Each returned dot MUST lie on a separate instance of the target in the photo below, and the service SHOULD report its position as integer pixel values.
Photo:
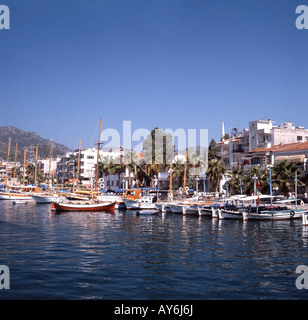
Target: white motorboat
(47, 198)
(145, 202)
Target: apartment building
(67, 168)
(246, 148)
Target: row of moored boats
(236, 207)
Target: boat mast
(15, 162)
(184, 176)
(49, 163)
(97, 162)
(35, 166)
(24, 173)
(170, 182)
(7, 164)
(77, 180)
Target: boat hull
(14, 196)
(43, 199)
(138, 205)
(163, 207)
(87, 206)
(275, 215)
(226, 214)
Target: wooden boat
(19, 193)
(207, 210)
(82, 206)
(287, 214)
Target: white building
(237, 152)
(68, 167)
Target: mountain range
(28, 141)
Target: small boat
(47, 198)
(163, 207)
(20, 202)
(287, 214)
(82, 206)
(207, 210)
(19, 193)
(144, 203)
(229, 214)
(178, 208)
(191, 210)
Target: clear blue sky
(168, 63)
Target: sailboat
(16, 192)
(85, 205)
(76, 205)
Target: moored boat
(47, 198)
(82, 206)
(145, 202)
(19, 193)
(287, 214)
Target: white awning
(294, 158)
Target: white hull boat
(206, 211)
(163, 207)
(177, 208)
(138, 205)
(275, 215)
(45, 199)
(111, 198)
(14, 196)
(228, 214)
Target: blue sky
(166, 63)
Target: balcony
(264, 132)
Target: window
(90, 157)
(299, 138)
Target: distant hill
(27, 141)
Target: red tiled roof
(283, 147)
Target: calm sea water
(166, 256)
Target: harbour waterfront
(126, 256)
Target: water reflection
(129, 256)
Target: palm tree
(105, 168)
(236, 181)
(261, 174)
(215, 172)
(284, 174)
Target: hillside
(27, 141)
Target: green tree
(215, 172)
(237, 177)
(284, 176)
(213, 150)
(263, 177)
